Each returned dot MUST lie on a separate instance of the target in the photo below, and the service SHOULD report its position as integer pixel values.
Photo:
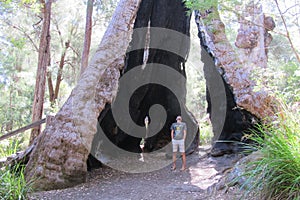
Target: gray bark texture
(59, 157)
(252, 41)
(246, 104)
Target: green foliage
(206, 133)
(12, 147)
(196, 88)
(282, 75)
(13, 185)
(20, 29)
(18, 42)
(10, 5)
(203, 5)
(12, 181)
(6, 1)
(28, 1)
(277, 174)
(16, 61)
(200, 4)
(291, 82)
(15, 105)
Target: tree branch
(287, 32)
(290, 8)
(74, 50)
(58, 31)
(25, 34)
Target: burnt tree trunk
(152, 15)
(59, 157)
(244, 106)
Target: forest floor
(197, 182)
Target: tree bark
(252, 38)
(245, 106)
(43, 61)
(87, 36)
(168, 15)
(59, 157)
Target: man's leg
(182, 151)
(183, 161)
(175, 148)
(174, 161)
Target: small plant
(13, 185)
(206, 133)
(12, 147)
(277, 174)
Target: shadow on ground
(196, 182)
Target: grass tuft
(13, 185)
(276, 175)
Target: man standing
(178, 135)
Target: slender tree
(43, 62)
(53, 92)
(88, 35)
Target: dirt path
(108, 184)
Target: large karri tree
(59, 157)
(60, 152)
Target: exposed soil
(197, 182)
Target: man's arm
(172, 134)
(184, 132)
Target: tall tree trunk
(43, 61)
(155, 15)
(245, 106)
(59, 157)
(87, 35)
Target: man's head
(178, 118)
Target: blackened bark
(238, 121)
(169, 14)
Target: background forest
(21, 24)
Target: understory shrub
(277, 174)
